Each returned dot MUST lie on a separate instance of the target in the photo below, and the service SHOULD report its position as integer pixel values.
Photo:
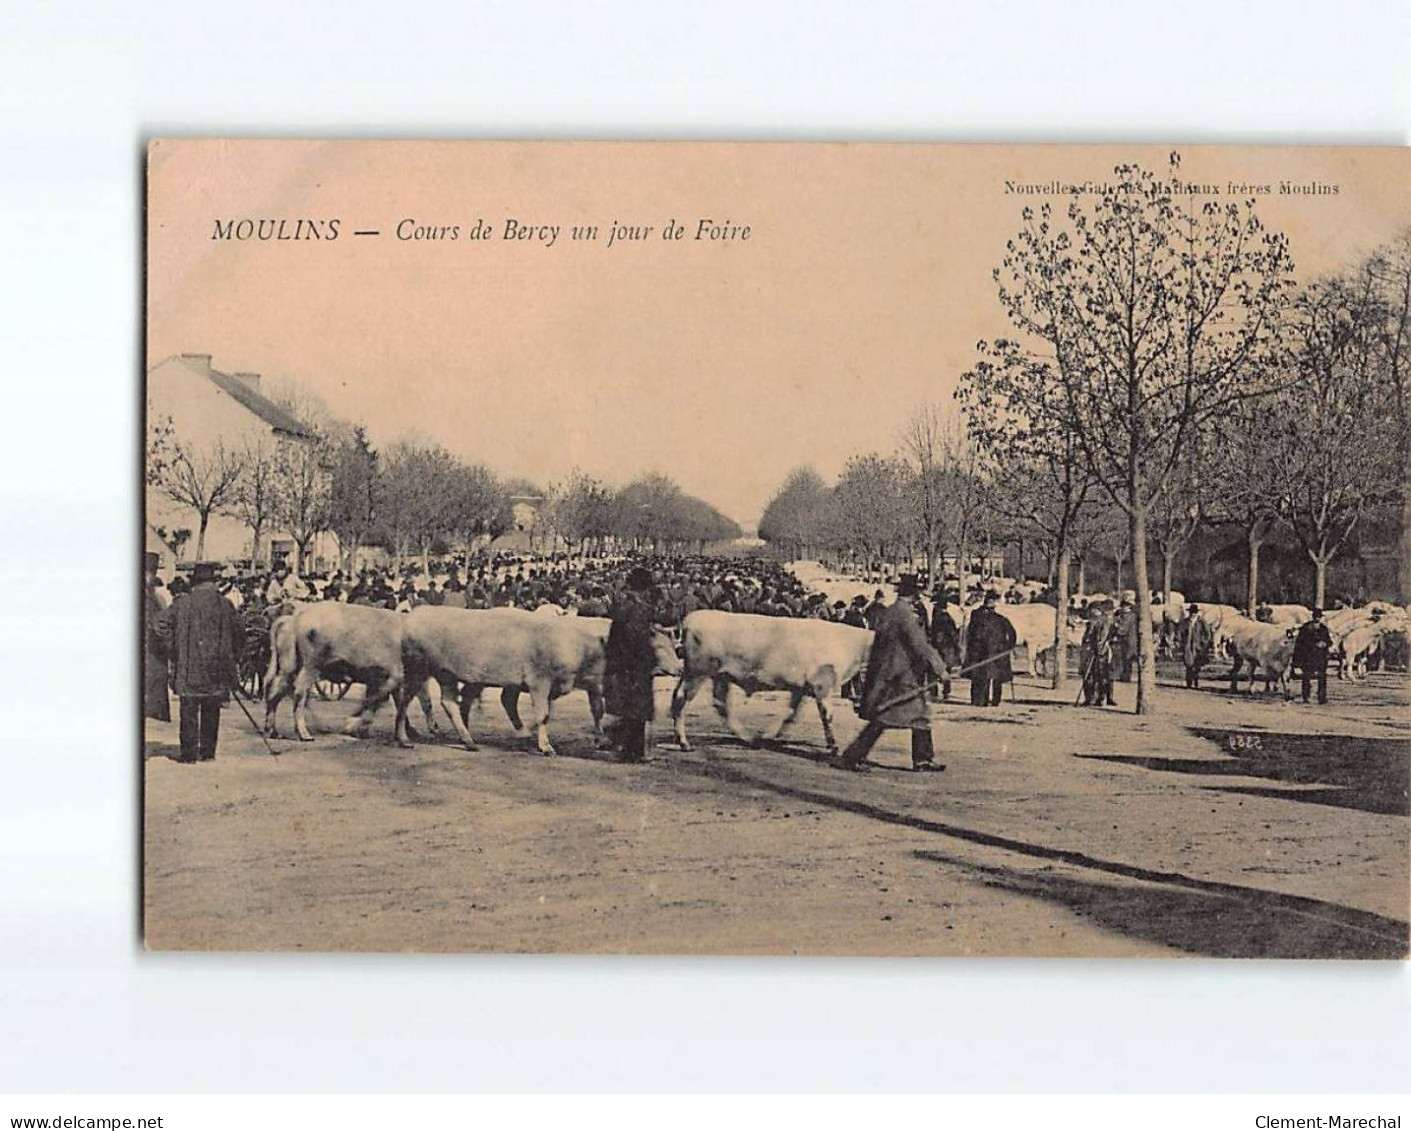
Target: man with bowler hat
(900, 669)
(988, 643)
(202, 634)
(1310, 655)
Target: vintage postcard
(780, 549)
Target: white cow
(1289, 614)
(1266, 648)
(514, 650)
(333, 640)
(804, 657)
(1033, 633)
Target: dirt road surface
(1225, 825)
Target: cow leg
(539, 696)
(303, 685)
(428, 709)
(595, 705)
(276, 688)
(509, 700)
(394, 687)
(821, 689)
(721, 694)
(361, 722)
(686, 688)
(457, 706)
(796, 698)
(470, 698)
(825, 716)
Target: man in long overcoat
(1197, 645)
(631, 663)
(900, 668)
(1310, 655)
(988, 643)
(1124, 639)
(1099, 640)
(202, 634)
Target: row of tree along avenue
(411, 499)
(1167, 371)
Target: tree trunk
(1121, 561)
(1320, 580)
(201, 536)
(1146, 649)
(1060, 643)
(1251, 587)
(1168, 560)
(1082, 576)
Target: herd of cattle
(547, 656)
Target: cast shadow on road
(1215, 920)
(1372, 775)
(1270, 924)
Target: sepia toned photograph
(776, 549)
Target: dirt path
(1055, 830)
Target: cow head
(667, 660)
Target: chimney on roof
(249, 380)
(200, 360)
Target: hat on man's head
(908, 585)
(151, 560)
(639, 578)
(1317, 613)
(205, 571)
(991, 597)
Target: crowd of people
(227, 611)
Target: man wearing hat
(631, 663)
(988, 643)
(1310, 655)
(1097, 657)
(203, 635)
(1124, 637)
(1197, 646)
(900, 668)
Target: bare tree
(923, 448)
(1016, 415)
(256, 502)
(1341, 429)
(1156, 315)
(205, 479)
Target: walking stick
(240, 702)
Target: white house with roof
(207, 407)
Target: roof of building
(253, 400)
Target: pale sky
(859, 294)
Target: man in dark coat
(900, 668)
(874, 611)
(1310, 655)
(988, 644)
(202, 634)
(631, 663)
(945, 637)
(1098, 643)
(1124, 639)
(1197, 645)
(155, 704)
